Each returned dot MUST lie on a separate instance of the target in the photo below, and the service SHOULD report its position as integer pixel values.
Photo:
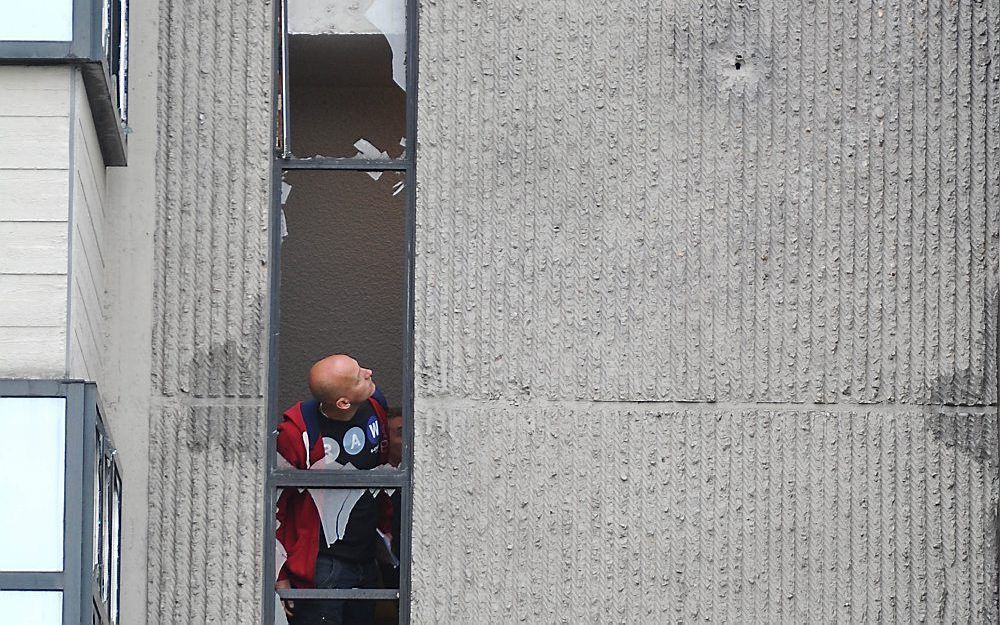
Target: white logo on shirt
(354, 441)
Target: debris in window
(286, 190)
(367, 150)
(389, 16)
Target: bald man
(329, 535)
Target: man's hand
(287, 604)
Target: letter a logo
(354, 441)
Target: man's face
(360, 384)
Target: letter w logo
(373, 429)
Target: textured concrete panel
(213, 173)
(770, 200)
(205, 514)
(731, 202)
(577, 512)
(208, 354)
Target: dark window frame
(86, 51)
(402, 477)
(80, 588)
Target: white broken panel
(355, 17)
(286, 190)
(389, 16)
(367, 150)
(334, 507)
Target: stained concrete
(706, 311)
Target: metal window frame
(85, 50)
(82, 421)
(401, 478)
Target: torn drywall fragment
(389, 16)
(369, 151)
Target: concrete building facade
(705, 306)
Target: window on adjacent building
(90, 34)
(60, 506)
(42, 20)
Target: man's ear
(342, 403)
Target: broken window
(334, 574)
(342, 277)
(344, 82)
(343, 215)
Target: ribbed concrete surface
(600, 184)
(609, 209)
(572, 513)
(213, 175)
(205, 515)
(212, 184)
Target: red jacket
(298, 526)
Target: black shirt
(356, 445)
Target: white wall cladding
(34, 209)
(208, 356)
(611, 213)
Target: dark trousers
(333, 572)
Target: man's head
(340, 382)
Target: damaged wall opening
(339, 478)
(344, 78)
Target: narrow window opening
(338, 476)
